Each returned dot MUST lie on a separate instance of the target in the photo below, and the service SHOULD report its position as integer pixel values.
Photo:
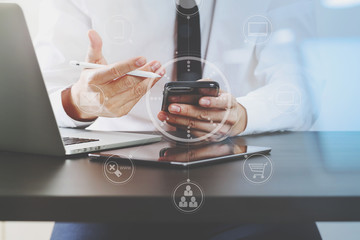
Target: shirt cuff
(254, 121)
(63, 120)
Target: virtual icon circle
(118, 169)
(258, 168)
(154, 100)
(92, 101)
(188, 197)
(287, 98)
(119, 29)
(257, 29)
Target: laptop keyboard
(71, 140)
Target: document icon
(91, 99)
(119, 30)
(258, 29)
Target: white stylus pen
(136, 73)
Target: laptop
(27, 121)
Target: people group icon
(193, 203)
(188, 193)
(183, 202)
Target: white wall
(26, 230)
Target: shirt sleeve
(63, 26)
(286, 101)
(63, 120)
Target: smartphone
(188, 92)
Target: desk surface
(315, 177)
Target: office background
(333, 61)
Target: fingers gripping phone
(188, 92)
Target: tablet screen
(181, 154)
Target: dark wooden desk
(316, 178)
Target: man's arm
(286, 102)
(103, 92)
(265, 109)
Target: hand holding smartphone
(188, 92)
(200, 108)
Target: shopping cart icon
(258, 169)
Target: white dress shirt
(257, 73)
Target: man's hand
(115, 92)
(206, 117)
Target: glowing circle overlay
(197, 139)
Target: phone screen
(188, 92)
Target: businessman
(120, 30)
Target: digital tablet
(167, 153)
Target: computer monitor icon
(286, 98)
(258, 29)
